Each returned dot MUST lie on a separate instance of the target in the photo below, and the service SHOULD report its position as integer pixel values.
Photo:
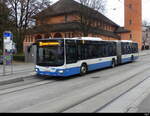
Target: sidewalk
(25, 70)
(144, 106)
(17, 68)
(145, 52)
(20, 71)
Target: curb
(15, 80)
(144, 54)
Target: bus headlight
(36, 69)
(61, 71)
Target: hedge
(18, 57)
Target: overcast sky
(115, 10)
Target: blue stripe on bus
(99, 65)
(129, 59)
(76, 70)
(135, 58)
(125, 60)
(72, 71)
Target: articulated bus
(70, 56)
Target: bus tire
(132, 58)
(83, 69)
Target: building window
(58, 35)
(102, 25)
(131, 36)
(68, 35)
(130, 6)
(38, 37)
(130, 22)
(73, 35)
(105, 27)
(66, 18)
(47, 36)
(99, 24)
(65, 35)
(146, 35)
(25, 40)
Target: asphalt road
(93, 92)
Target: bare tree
(89, 10)
(22, 12)
(5, 22)
(98, 5)
(146, 23)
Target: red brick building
(63, 19)
(133, 20)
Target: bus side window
(106, 47)
(71, 54)
(110, 50)
(134, 47)
(81, 52)
(114, 49)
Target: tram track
(35, 81)
(87, 102)
(68, 99)
(23, 85)
(75, 98)
(17, 72)
(104, 106)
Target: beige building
(146, 37)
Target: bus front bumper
(59, 72)
(47, 73)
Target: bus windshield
(50, 56)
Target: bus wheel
(132, 58)
(113, 63)
(83, 69)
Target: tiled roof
(122, 30)
(72, 26)
(70, 6)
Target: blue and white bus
(70, 56)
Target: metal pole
(4, 72)
(12, 57)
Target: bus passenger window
(71, 54)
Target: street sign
(7, 34)
(7, 50)
(8, 42)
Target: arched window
(47, 36)
(38, 37)
(58, 35)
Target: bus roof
(126, 41)
(86, 38)
(89, 38)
